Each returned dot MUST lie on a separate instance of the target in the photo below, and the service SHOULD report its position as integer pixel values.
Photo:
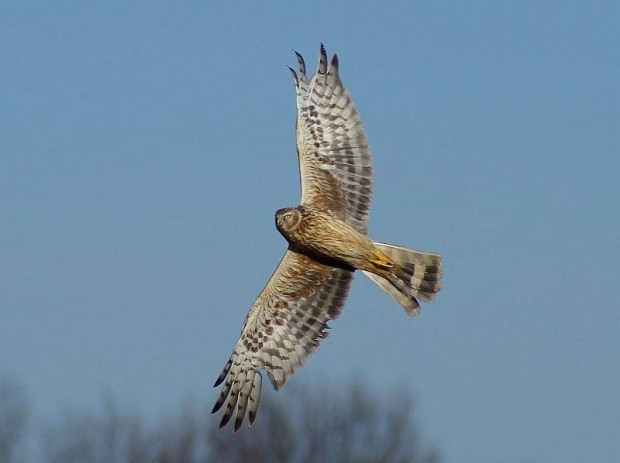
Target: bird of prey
(327, 242)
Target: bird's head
(287, 219)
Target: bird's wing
(285, 324)
(334, 157)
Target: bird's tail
(415, 276)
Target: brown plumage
(327, 241)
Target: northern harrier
(327, 242)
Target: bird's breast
(323, 234)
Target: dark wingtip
(225, 419)
(216, 406)
(238, 422)
(224, 372)
(302, 66)
(293, 73)
(251, 417)
(322, 68)
(335, 61)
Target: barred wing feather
(284, 326)
(334, 157)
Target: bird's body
(327, 241)
(321, 235)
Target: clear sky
(144, 147)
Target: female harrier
(327, 241)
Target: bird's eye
(288, 217)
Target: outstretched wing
(334, 158)
(285, 324)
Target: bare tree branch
(304, 424)
(14, 414)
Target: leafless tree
(328, 424)
(112, 436)
(303, 425)
(14, 415)
(89, 438)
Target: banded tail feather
(417, 276)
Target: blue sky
(144, 148)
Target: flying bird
(327, 242)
